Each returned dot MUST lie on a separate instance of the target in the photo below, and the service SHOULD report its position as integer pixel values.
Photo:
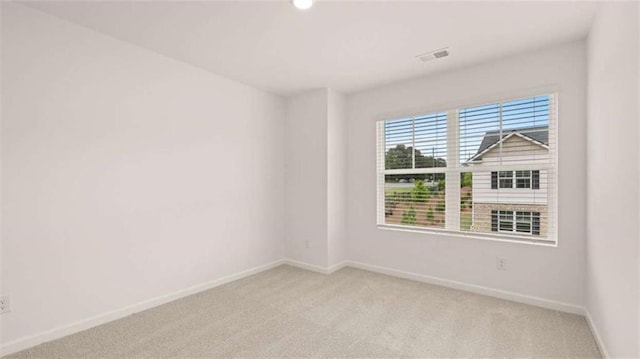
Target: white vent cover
(437, 54)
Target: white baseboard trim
(65, 330)
(497, 293)
(337, 266)
(314, 267)
(596, 334)
(59, 332)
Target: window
(523, 222)
(484, 171)
(505, 179)
(516, 221)
(523, 179)
(415, 162)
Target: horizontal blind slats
(420, 187)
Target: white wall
(547, 272)
(1, 176)
(306, 177)
(125, 175)
(337, 178)
(316, 178)
(613, 298)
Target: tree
(401, 157)
(398, 157)
(429, 161)
(466, 179)
(409, 217)
(420, 193)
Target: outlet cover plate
(501, 263)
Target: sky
(474, 122)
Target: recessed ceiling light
(303, 4)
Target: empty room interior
(320, 179)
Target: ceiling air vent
(433, 55)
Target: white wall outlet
(501, 263)
(5, 306)
(306, 243)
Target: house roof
(535, 134)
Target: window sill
(487, 237)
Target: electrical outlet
(501, 263)
(5, 306)
(306, 243)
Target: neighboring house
(511, 201)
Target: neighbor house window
(515, 179)
(523, 179)
(521, 222)
(505, 179)
(485, 171)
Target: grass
(465, 221)
(389, 191)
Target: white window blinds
(415, 161)
(486, 171)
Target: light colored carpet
(290, 312)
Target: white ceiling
(347, 46)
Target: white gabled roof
(510, 135)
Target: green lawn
(465, 221)
(398, 190)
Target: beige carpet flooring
(288, 312)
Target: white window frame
(514, 179)
(511, 177)
(453, 171)
(527, 178)
(514, 221)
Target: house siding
(514, 151)
(482, 191)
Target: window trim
(551, 240)
(514, 221)
(509, 238)
(533, 178)
(526, 178)
(502, 177)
